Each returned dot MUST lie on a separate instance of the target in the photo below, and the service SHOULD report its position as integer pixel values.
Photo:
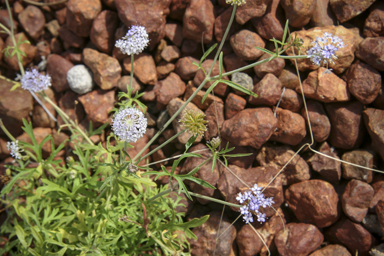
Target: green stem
(131, 76)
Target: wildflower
(253, 201)
(13, 147)
(134, 42)
(129, 124)
(324, 49)
(238, 2)
(194, 122)
(34, 81)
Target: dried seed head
(194, 122)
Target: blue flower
(134, 42)
(14, 149)
(129, 124)
(34, 81)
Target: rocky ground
(329, 207)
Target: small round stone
(80, 80)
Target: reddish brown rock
(379, 101)
(233, 105)
(150, 14)
(221, 24)
(378, 187)
(250, 127)
(185, 67)
(361, 157)
(373, 119)
(197, 100)
(56, 46)
(57, 68)
(103, 31)
(340, 233)
(28, 49)
(174, 32)
(252, 9)
(356, 199)
(97, 104)
(137, 147)
(125, 80)
(33, 21)
(320, 124)
(191, 48)
(374, 24)
(232, 62)
(270, 25)
(5, 20)
(170, 88)
(297, 169)
(39, 116)
(221, 89)
(80, 15)
(289, 79)
(325, 87)
(364, 82)
(332, 249)
(380, 213)
(198, 21)
(164, 68)
(106, 70)
(371, 51)
(215, 117)
(170, 53)
(347, 9)
(177, 9)
(268, 91)
(328, 168)
(40, 133)
(290, 127)
(243, 44)
(291, 100)
(274, 66)
(69, 103)
(298, 12)
(61, 15)
(144, 68)
(70, 39)
(243, 161)
(298, 239)
(314, 201)
(323, 15)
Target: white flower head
(13, 147)
(134, 42)
(129, 124)
(34, 81)
(238, 2)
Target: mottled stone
(33, 21)
(361, 157)
(244, 80)
(221, 24)
(244, 42)
(144, 68)
(233, 105)
(250, 127)
(185, 68)
(221, 88)
(170, 88)
(252, 9)
(215, 117)
(332, 249)
(103, 31)
(298, 12)
(268, 91)
(371, 51)
(348, 9)
(374, 24)
(314, 201)
(291, 100)
(320, 124)
(57, 68)
(28, 49)
(80, 15)
(197, 100)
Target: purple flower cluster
(324, 49)
(134, 42)
(34, 81)
(14, 149)
(129, 124)
(253, 201)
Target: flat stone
(177, 9)
(380, 214)
(243, 44)
(361, 157)
(125, 80)
(289, 78)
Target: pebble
(79, 79)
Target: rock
(243, 44)
(28, 49)
(170, 53)
(151, 14)
(320, 124)
(371, 223)
(80, 15)
(243, 161)
(70, 39)
(230, 186)
(177, 9)
(290, 127)
(347, 128)
(185, 69)
(378, 187)
(380, 214)
(374, 121)
(364, 82)
(361, 157)
(244, 80)
(39, 116)
(221, 24)
(40, 133)
(144, 68)
(250, 127)
(323, 15)
(14, 106)
(274, 66)
(215, 117)
(162, 119)
(345, 55)
(164, 68)
(106, 70)
(355, 200)
(221, 88)
(97, 104)
(332, 249)
(79, 79)
(56, 46)
(5, 20)
(170, 88)
(61, 15)
(191, 48)
(289, 78)
(42, 51)
(291, 100)
(69, 104)
(173, 106)
(252, 9)
(232, 62)
(340, 233)
(198, 21)
(374, 24)
(347, 9)
(197, 100)
(297, 169)
(233, 105)
(328, 168)
(371, 51)
(174, 32)
(33, 21)
(325, 87)
(298, 12)
(137, 147)
(379, 101)
(270, 24)
(57, 68)
(314, 202)
(103, 31)
(268, 91)
(298, 239)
